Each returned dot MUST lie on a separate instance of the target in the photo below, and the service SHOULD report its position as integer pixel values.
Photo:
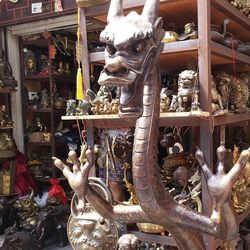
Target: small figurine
(46, 135)
(217, 106)
(60, 68)
(83, 107)
(102, 103)
(165, 100)
(44, 102)
(6, 77)
(5, 121)
(190, 32)
(71, 107)
(67, 70)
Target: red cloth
(56, 190)
(23, 178)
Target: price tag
(36, 8)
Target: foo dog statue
(188, 92)
(131, 62)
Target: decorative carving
(131, 62)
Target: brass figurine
(102, 103)
(131, 62)
(190, 32)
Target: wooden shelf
(7, 90)
(240, 23)
(64, 78)
(39, 110)
(166, 119)
(5, 128)
(231, 118)
(47, 144)
(181, 54)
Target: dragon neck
(146, 176)
(155, 201)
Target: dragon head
(133, 45)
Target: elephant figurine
(53, 218)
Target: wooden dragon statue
(131, 62)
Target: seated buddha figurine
(190, 32)
(6, 77)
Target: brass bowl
(170, 36)
(150, 228)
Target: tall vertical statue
(131, 62)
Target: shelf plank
(160, 239)
(181, 54)
(5, 128)
(227, 53)
(231, 118)
(7, 90)
(166, 119)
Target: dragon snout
(115, 66)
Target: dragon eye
(139, 47)
(110, 49)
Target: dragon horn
(151, 10)
(115, 10)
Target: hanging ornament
(79, 82)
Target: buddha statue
(6, 78)
(190, 32)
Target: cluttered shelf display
(179, 172)
(48, 71)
